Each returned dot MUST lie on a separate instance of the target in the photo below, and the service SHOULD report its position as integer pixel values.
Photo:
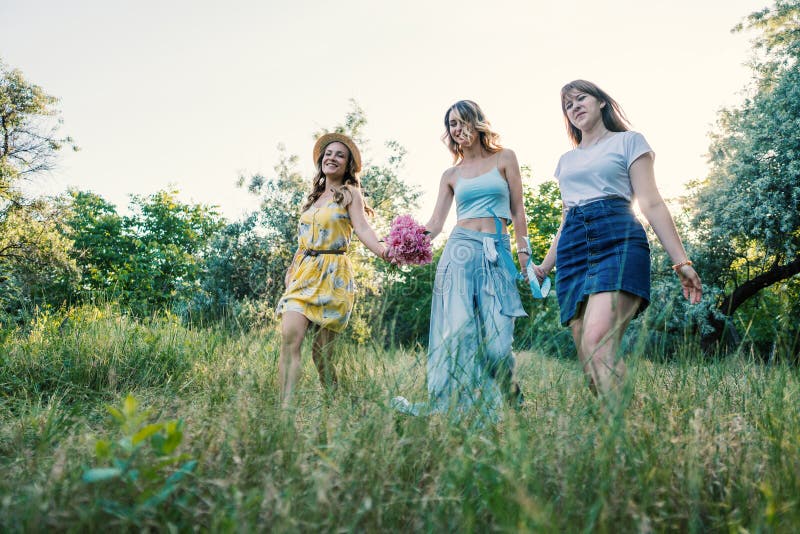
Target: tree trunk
(740, 295)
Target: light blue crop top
(483, 195)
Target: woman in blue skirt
(601, 250)
(475, 298)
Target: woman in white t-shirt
(601, 250)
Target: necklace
(598, 139)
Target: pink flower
(407, 242)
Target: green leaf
(102, 449)
(116, 414)
(98, 474)
(157, 441)
(125, 444)
(159, 497)
(130, 405)
(185, 469)
(173, 440)
(146, 432)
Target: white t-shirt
(601, 170)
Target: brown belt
(314, 253)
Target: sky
(193, 94)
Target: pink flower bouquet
(408, 242)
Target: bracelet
(524, 250)
(678, 266)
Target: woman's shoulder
(506, 154)
(345, 194)
(450, 173)
(634, 142)
(631, 135)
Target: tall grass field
(107, 422)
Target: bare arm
(510, 168)
(549, 261)
(442, 208)
(361, 226)
(655, 210)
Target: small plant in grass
(140, 470)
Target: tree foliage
(34, 264)
(777, 44)
(147, 260)
(29, 137)
(746, 209)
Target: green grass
(699, 446)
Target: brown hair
(343, 195)
(614, 118)
(471, 114)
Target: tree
(148, 260)
(746, 209)
(238, 278)
(34, 266)
(100, 244)
(778, 45)
(29, 138)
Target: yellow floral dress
(321, 287)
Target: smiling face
(582, 109)
(460, 131)
(335, 159)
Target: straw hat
(328, 138)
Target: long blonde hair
(473, 118)
(614, 118)
(342, 195)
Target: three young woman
(601, 253)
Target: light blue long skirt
(475, 301)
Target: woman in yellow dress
(319, 282)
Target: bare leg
(293, 329)
(577, 333)
(321, 354)
(598, 334)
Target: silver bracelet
(524, 250)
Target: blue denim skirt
(602, 247)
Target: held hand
(690, 281)
(541, 274)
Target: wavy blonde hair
(342, 195)
(614, 118)
(472, 117)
